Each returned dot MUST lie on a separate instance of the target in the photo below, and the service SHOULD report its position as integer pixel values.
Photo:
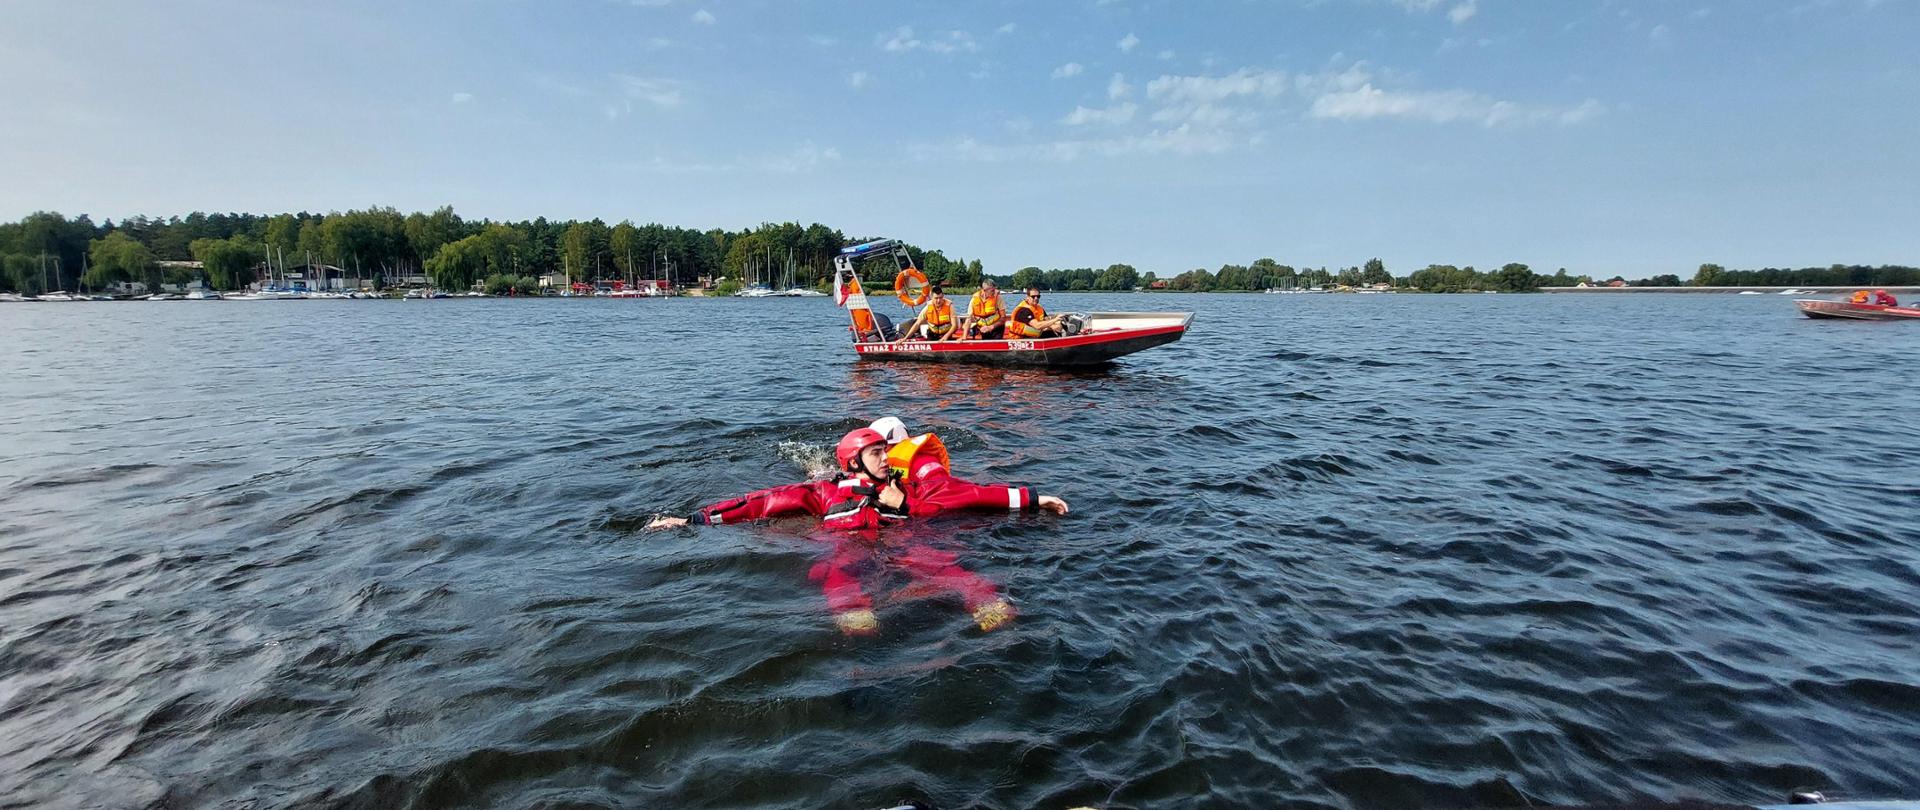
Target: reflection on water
(1371, 551)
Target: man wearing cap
(936, 318)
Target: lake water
(1328, 551)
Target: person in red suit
(870, 494)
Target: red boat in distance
(1878, 305)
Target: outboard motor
(1073, 323)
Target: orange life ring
(911, 287)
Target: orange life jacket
(862, 318)
(939, 315)
(986, 312)
(1017, 329)
(910, 456)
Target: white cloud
(857, 79)
(1117, 114)
(806, 157)
(1005, 29)
(1205, 89)
(1584, 111)
(1442, 107)
(1117, 87)
(1463, 12)
(648, 3)
(462, 98)
(1661, 36)
(821, 41)
(703, 17)
(1166, 55)
(903, 41)
(1127, 43)
(1180, 140)
(662, 93)
(1068, 70)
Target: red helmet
(855, 441)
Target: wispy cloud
(1661, 36)
(1068, 70)
(1127, 43)
(804, 158)
(902, 40)
(1117, 87)
(704, 17)
(1006, 29)
(1117, 114)
(462, 98)
(1443, 107)
(662, 93)
(1463, 12)
(1166, 55)
(1181, 140)
(857, 79)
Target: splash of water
(814, 460)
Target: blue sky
(1605, 137)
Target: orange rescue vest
(940, 315)
(916, 452)
(862, 318)
(985, 311)
(1017, 329)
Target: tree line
(47, 251)
(1838, 275)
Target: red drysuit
(848, 507)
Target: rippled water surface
(1339, 551)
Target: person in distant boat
(869, 495)
(936, 320)
(986, 314)
(1029, 319)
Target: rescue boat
(1817, 308)
(1103, 337)
(1093, 339)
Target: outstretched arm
(792, 499)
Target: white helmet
(890, 427)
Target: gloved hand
(857, 622)
(993, 614)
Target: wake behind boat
(1090, 339)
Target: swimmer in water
(870, 494)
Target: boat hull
(1092, 347)
(1847, 310)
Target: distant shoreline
(1774, 290)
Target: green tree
(119, 257)
(1375, 272)
(1025, 277)
(228, 263)
(1118, 277)
(1708, 275)
(427, 232)
(1514, 277)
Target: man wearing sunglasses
(1029, 319)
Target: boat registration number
(1020, 345)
